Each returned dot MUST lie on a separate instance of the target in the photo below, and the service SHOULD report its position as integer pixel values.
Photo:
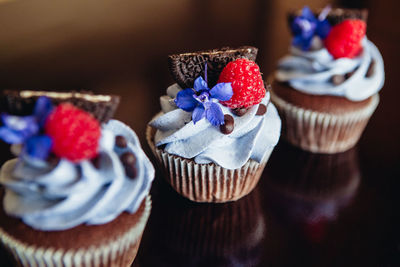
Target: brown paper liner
(119, 252)
(207, 182)
(322, 132)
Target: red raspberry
(75, 133)
(247, 84)
(344, 39)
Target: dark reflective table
(307, 210)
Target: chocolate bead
(371, 69)
(239, 111)
(337, 79)
(228, 125)
(129, 160)
(261, 109)
(130, 171)
(120, 141)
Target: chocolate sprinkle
(120, 141)
(262, 109)
(239, 111)
(228, 125)
(129, 160)
(337, 79)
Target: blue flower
(27, 129)
(306, 26)
(199, 100)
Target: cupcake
(326, 89)
(216, 129)
(78, 192)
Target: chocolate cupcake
(214, 140)
(77, 193)
(326, 89)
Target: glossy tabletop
(307, 210)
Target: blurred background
(121, 47)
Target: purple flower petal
(323, 29)
(200, 84)
(222, 91)
(198, 113)
(42, 109)
(185, 100)
(307, 13)
(214, 114)
(38, 146)
(11, 137)
(303, 43)
(19, 123)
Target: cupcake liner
(322, 132)
(207, 182)
(118, 252)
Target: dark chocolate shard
(21, 103)
(186, 67)
(335, 16)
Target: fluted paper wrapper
(207, 182)
(322, 132)
(116, 253)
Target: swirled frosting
(254, 136)
(311, 72)
(60, 197)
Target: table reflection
(184, 233)
(310, 190)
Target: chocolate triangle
(102, 107)
(186, 67)
(335, 16)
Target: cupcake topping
(75, 133)
(70, 169)
(187, 67)
(339, 65)
(306, 26)
(247, 84)
(344, 39)
(199, 100)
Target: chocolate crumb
(239, 111)
(228, 125)
(371, 69)
(337, 79)
(120, 141)
(261, 109)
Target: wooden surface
(120, 47)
